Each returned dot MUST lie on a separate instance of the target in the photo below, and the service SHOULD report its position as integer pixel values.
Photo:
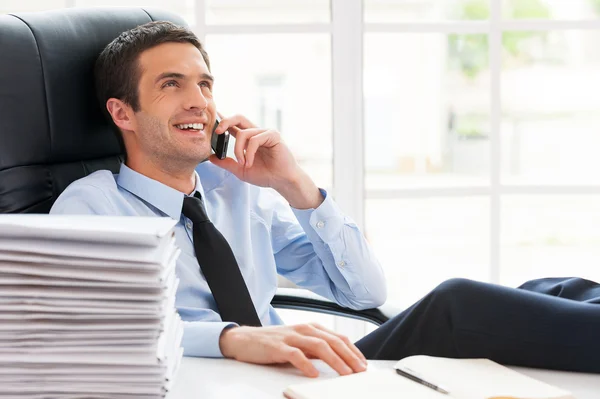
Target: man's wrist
(225, 341)
(301, 192)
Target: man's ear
(121, 113)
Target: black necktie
(219, 266)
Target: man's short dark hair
(117, 73)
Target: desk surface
(224, 378)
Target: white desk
(223, 378)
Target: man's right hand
(293, 344)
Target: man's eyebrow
(166, 75)
(207, 76)
(178, 75)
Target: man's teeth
(195, 126)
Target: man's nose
(195, 99)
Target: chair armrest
(301, 299)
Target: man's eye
(170, 83)
(205, 84)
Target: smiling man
(161, 102)
(155, 85)
(241, 222)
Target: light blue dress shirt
(318, 249)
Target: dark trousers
(549, 323)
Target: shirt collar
(165, 198)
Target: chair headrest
(52, 130)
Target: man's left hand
(264, 160)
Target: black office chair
(52, 131)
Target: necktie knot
(193, 209)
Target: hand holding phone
(219, 142)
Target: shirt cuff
(326, 220)
(201, 338)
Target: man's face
(177, 111)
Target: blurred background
(462, 135)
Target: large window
(490, 125)
(462, 135)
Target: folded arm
(324, 251)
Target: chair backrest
(52, 130)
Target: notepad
(463, 378)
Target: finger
(322, 350)
(241, 141)
(236, 121)
(228, 164)
(218, 123)
(342, 350)
(344, 339)
(297, 358)
(268, 138)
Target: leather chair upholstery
(52, 129)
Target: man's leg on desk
(548, 323)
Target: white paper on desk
(62, 261)
(81, 369)
(24, 279)
(160, 297)
(74, 343)
(90, 274)
(135, 349)
(83, 334)
(62, 282)
(77, 396)
(384, 383)
(63, 325)
(139, 230)
(159, 254)
(75, 317)
(105, 376)
(86, 390)
(156, 304)
(170, 336)
(85, 268)
(468, 378)
(169, 346)
(107, 358)
(154, 308)
(87, 274)
(85, 293)
(173, 368)
(45, 309)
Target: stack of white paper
(87, 307)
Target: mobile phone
(219, 142)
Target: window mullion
(495, 55)
(200, 28)
(347, 71)
(348, 157)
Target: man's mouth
(192, 127)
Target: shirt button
(188, 224)
(320, 224)
(341, 263)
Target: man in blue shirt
(156, 86)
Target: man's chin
(187, 160)
(200, 157)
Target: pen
(408, 373)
